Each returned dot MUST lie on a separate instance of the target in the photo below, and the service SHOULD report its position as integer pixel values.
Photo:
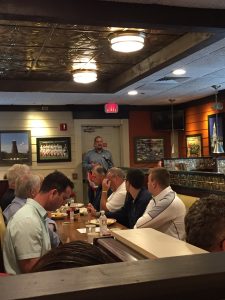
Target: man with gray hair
(115, 181)
(26, 186)
(13, 173)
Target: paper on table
(83, 230)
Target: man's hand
(105, 184)
(91, 210)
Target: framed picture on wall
(194, 145)
(57, 149)
(148, 149)
(15, 147)
(216, 134)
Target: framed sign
(216, 133)
(194, 145)
(148, 149)
(57, 149)
(15, 147)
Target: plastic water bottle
(103, 223)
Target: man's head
(56, 189)
(116, 177)
(158, 180)
(16, 171)
(205, 223)
(27, 186)
(98, 174)
(98, 143)
(135, 179)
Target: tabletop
(68, 232)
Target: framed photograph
(216, 133)
(15, 147)
(194, 145)
(148, 149)
(57, 149)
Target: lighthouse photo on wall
(15, 147)
(216, 134)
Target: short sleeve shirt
(116, 199)
(26, 236)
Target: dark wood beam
(164, 57)
(112, 14)
(50, 86)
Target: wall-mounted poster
(57, 149)
(216, 133)
(194, 145)
(15, 147)
(148, 149)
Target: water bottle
(103, 223)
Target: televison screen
(162, 120)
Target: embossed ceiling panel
(42, 51)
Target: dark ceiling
(44, 51)
(41, 40)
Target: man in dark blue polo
(137, 199)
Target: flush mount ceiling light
(179, 72)
(132, 93)
(127, 41)
(84, 76)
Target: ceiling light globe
(84, 76)
(127, 42)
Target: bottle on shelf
(103, 223)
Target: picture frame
(194, 145)
(15, 147)
(216, 134)
(148, 149)
(53, 149)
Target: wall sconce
(128, 41)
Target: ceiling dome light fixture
(127, 41)
(132, 93)
(179, 72)
(84, 76)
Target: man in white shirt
(165, 212)
(115, 181)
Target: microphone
(109, 162)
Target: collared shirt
(103, 157)
(12, 208)
(116, 199)
(26, 236)
(165, 212)
(16, 204)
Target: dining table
(68, 229)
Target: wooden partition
(200, 276)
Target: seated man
(136, 201)
(165, 212)
(27, 237)
(205, 223)
(28, 186)
(98, 174)
(115, 181)
(13, 173)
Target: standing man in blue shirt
(94, 157)
(98, 156)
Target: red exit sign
(111, 108)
